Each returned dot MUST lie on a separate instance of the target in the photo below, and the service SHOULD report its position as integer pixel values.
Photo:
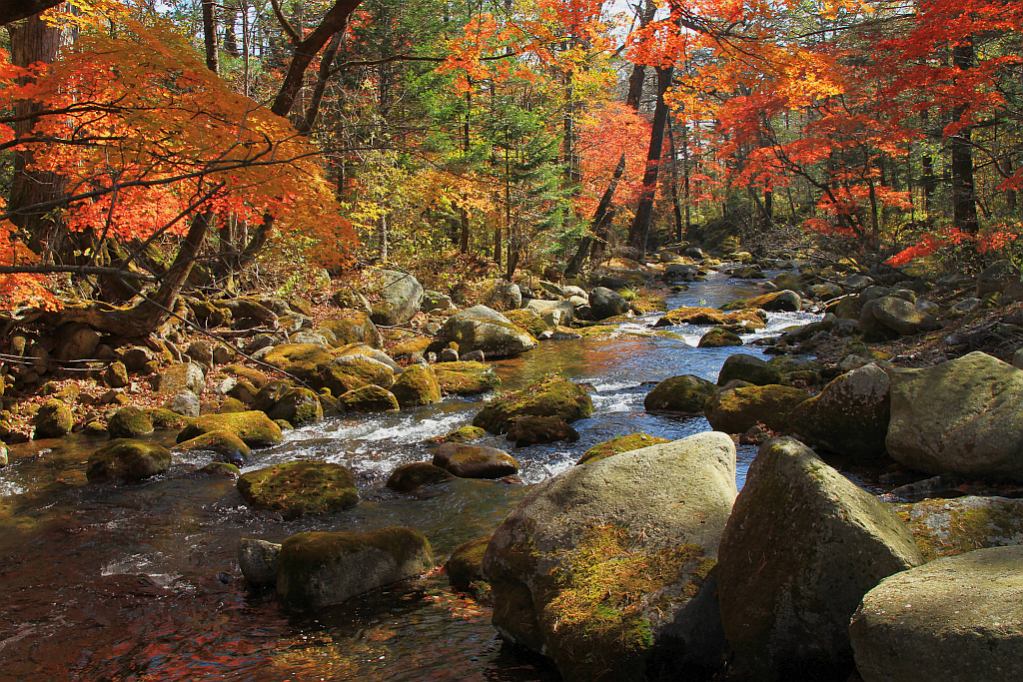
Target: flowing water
(140, 582)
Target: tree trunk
(964, 196)
(639, 232)
(322, 76)
(13, 10)
(675, 201)
(209, 34)
(600, 220)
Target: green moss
(554, 396)
(127, 460)
(224, 443)
(616, 446)
(417, 385)
(253, 427)
(163, 418)
(463, 434)
(528, 320)
(465, 378)
(299, 488)
(369, 399)
(465, 566)
(221, 470)
(352, 326)
(53, 420)
(950, 527)
(411, 346)
(129, 422)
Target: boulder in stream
(484, 329)
(535, 429)
(129, 422)
(299, 488)
(736, 410)
(554, 396)
(466, 378)
(749, 368)
(258, 561)
(253, 427)
(410, 477)
(474, 461)
(616, 446)
(682, 395)
(127, 461)
(415, 386)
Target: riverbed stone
(466, 378)
(555, 313)
(300, 488)
(129, 422)
(227, 445)
(185, 403)
(604, 568)
(960, 417)
(682, 395)
(605, 303)
(946, 527)
(720, 337)
(408, 478)
(474, 461)
(553, 396)
(463, 434)
(530, 321)
(255, 428)
(749, 368)
(399, 297)
(296, 405)
(416, 386)
(116, 375)
(258, 560)
(349, 326)
(465, 565)
(749, 319)
(776, 301)
(369, 399)
(481, 328)
(504, 295)
(801, 548)
(736, 410)
(893, 316)
(536, 429)
(850, 415)
(616, 446)
(319, 569)
(957, 619)
(127, 461)
(53, 420)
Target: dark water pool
(140, 583)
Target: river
(140, 582)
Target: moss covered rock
(466, 378)
(535, 429)
(369, 399)
(749, 368)
(53, 420)
(126, 460)
(254, 428)
(179, 377)
(745, 319)
(802, 547)
(299, 488)
(129, 422)
(410, 477)
(483, 329)
(529, 320)
(551, 397)
(949, 527)
(463, 434)
(165, 419)
(604, 568)
(228, 446)
(465, 566)
(736, 410)
(775, 301)
(616, 446)
(957, 619)
(417, 385)
(351, 326)
(684, 395)
(221, 470)
(320, 569)
(720, 337)
(294, 404)
(474, 461)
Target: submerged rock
(684, 395)
(957, 619)
(319, 569)
(298, 488)
(554, 396)
(410, 477)
(254, 428)
(474, 461)
(465, 566)
(127, 461)
(603, 568)
(616, 446)
(802, 547)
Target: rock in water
(802, 547)
(127, 461)
(850, 416)
(253, 427)
(605, 303)
(258, 560)
(957, 619)
(320, 569)
(411, 477)
(552, 397)
(480, 328)
(736, 410)
(684, 395)
(474, 461)
(465, 566)
(400, 294)
(53, 420)
(417, 385)
(298, 488)
(602, 567)
(465, 378)
(961, 417)
(129, 422)
(616, 446)
(748, 368)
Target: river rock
(417, 385)
(949, 527)
(775, 301)
(129, 422)
(536, 429)
(294, 404)
(530, 321)
(400, 296)
(77, 341)
(53, 420)
(616, 446)
(474, 461)
(960, 417)
(555, 313)
(465, 566)
(802, 547)
(254, 428)
(720, 337)
(683, 395)
(481, 328)
(736, 410)
(186, 404)
(128, 461)
(410, 477)
(228, 446)
(957, 619)
(605, 303)
(850, 416)
(504, 295)
(748, 320)
(319, 569)
(4, 455)
(258, 560)
(300, 488)
(554, 396)
(892, 316)
(349, 326)
(602, 568)
(466, 378)
(435, 301)
(748, 368)
(116, 375)
(369, 399)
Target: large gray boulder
(258, 561)
(400, 296)
(849, 417)
(604, 567)
(483, 329)
(553, 312)
(894, 316)
(745, 367)
(961, 417)
(605, 303)
(802, 547)
(957, 619)
(505, 295)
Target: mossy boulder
(319, 569)
(474, 461)
(350, 372)
(399, 297)
(960, 417)
(893, 316)
(720, 337)
(466, 378)
(129, 422)
(116, 375)
(949, 527)
(127, 461)
(165, 419)
(300, 488)
(250, 374)
(465, 566)
(228, 446)
(616, 446)
(351, 326)
(220, 470)
(417, 385)
(303, 360)
(736, 410)
(369, 399)
(53, 420)
(480, 328)
(849, 417)
(410, 477)
(683, 395)
(553, 396)
(179, 377)
(463, 434)
(606, 568)
(749, 320)
(535, 429)
(775, 301)
(529, 320)
(294, 404)
(957, 619)
(802, 547)
(254, 428)
(749, 368)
